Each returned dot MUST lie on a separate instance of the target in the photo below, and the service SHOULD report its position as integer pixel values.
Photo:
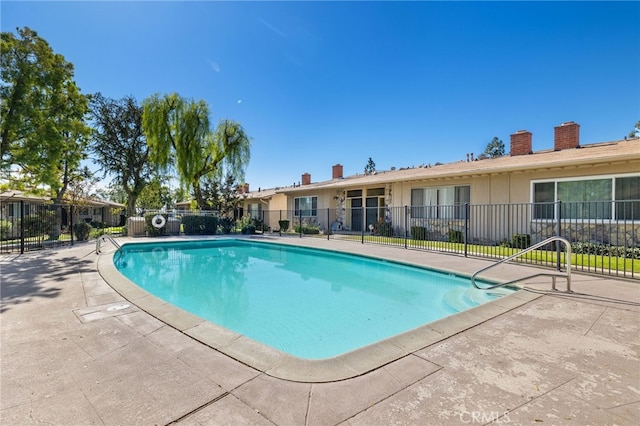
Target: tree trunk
(131, 204)
(57, 224)
(197, 194)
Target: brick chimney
(336, 172)
(566, 136)
(245, 188)
(306, 179)
(521, 143)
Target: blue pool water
(309, 303)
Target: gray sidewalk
(74, 352)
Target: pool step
(482, 296)
(460, 299)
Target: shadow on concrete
(28, 276)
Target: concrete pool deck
(74, 351)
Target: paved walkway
(73, 353)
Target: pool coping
(284, 366)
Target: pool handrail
(553, 275)
(104, 238)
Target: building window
(627, 196)
(543, 199)
(372, 192)
(14, 209)
(306, 206)
(585, 199)
(440, 202)
(599, 198)
(254, 210)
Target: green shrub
(248, 229)
(307, 229)
(200, 225)
(385, 229)
(192, 225)
(284, 225)
(39, 224)
(244, 221)
(419, 233)
(606, 250)
(455, 236)
(520, 241)
(226, 224)
(81, 231)
(258, 224)
(5, 229)
(505, 243)
(308, 226)
(209, 225)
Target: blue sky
(320, 83)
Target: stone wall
(596, 233)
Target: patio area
(75, 352)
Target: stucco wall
(505, 188)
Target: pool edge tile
(179, 319)
(416, 339)
(212, 335)
(257, 355)
(373, 356)
(311, 371)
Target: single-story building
(435, 196)
(89, 210)
(10, 204)
(101, 211)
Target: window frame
(439, 210)
(313, 211)
(257, 210)
(550, 206)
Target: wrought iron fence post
(71, 222)
(406, 226)
(559, 233)
(280, 226)
(21, 226)
(363, 223)
(466, 227)
(300, 221)
(328, 223)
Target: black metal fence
(605, 236)
(28, 226)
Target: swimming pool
(309, 303)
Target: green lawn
(578, 261)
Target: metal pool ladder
(553, 275)
(104, 238)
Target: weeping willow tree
(179, 136)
